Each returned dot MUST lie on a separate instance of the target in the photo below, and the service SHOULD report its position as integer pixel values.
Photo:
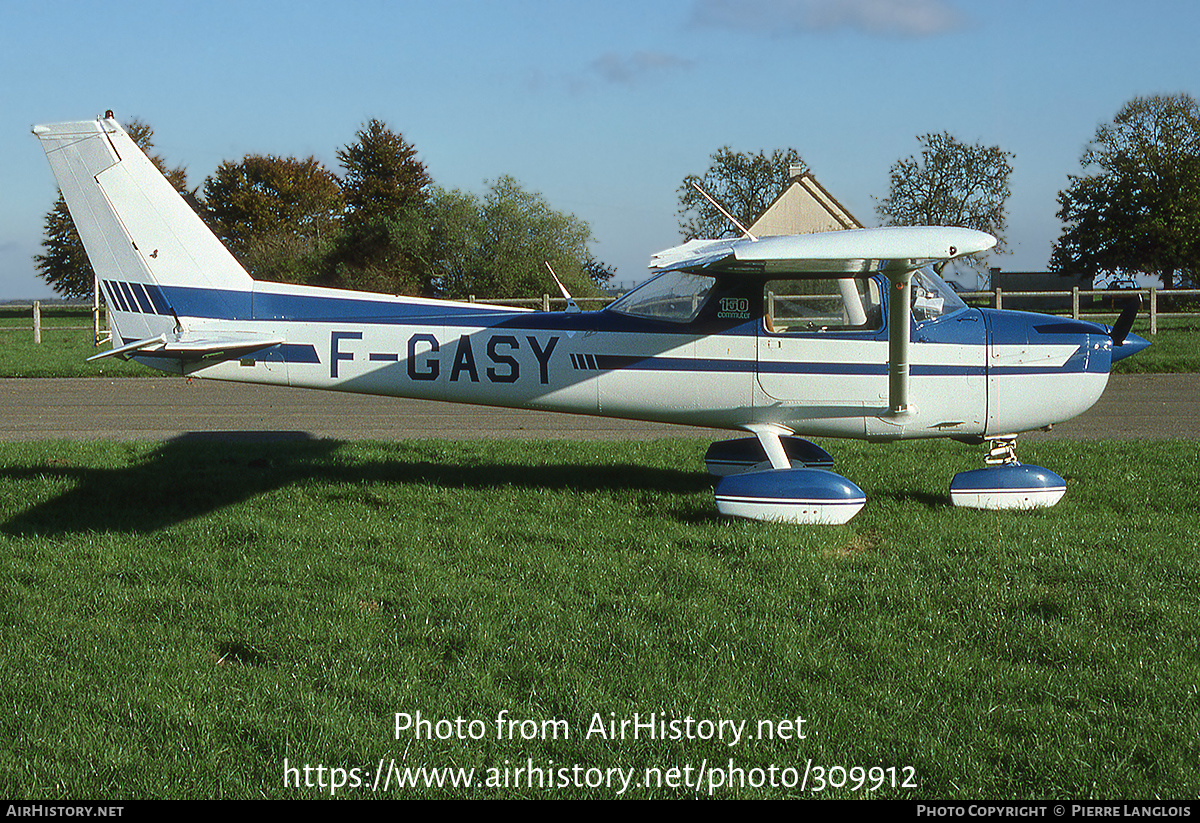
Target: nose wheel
(1006, 483)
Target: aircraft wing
(832, 251)
(192, 347)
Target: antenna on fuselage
(721, 209)
(571, 304)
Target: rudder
(154, 256)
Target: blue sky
(601, 107)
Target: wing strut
(898, 338)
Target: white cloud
(634, 68)
(613, 69)
(913, 18)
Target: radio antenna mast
(721, 209)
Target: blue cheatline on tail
(837, 334)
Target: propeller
(1124, 343)
(1129, 311)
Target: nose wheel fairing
(1006, 483)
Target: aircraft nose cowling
(1132, 344)
(1040, 343)
(1042, 370)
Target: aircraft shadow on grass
(197, 474)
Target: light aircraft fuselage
(840, 334)
(973, 372)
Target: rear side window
(822, 304)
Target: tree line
(1135, 209)
(384, 226)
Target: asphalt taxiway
(1146, 407)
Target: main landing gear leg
(1006, 483)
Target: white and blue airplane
(846, 334)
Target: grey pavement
(1150, 407)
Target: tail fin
(155, 258)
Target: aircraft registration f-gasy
(846, 334)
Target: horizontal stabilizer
(187, 347)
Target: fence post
(545, 302)
(1153, 310)
(999, 298)
(1075, 302)
(102, 325)
(37, 322)
(95, 312)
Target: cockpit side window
(822, 304)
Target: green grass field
(195, 619)
(1176, 347)
(64, 349)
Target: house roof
(803, 207)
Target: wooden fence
(997, 296)
(101, 330)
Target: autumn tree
(64, 263)
(950, 184)
(277, 215)
(498, 244)
(384, 237)
(744, 184)
(1139, 208)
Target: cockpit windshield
(673, 296)
(931, 297)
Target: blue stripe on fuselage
(216, 304)
(337, 309)
(296, 353)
